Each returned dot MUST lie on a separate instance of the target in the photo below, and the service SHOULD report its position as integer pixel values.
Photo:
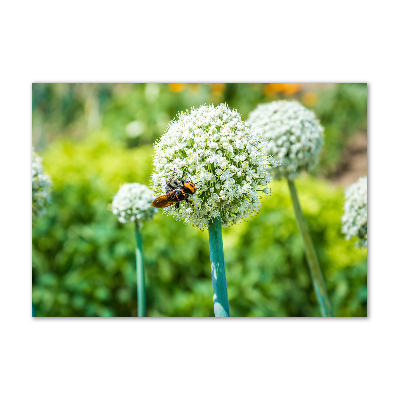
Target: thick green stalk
(141, 288)
(220, 291)
(315, 270)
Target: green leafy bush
(84, 259)
(342, 110)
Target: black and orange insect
(175, 192)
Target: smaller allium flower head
(133, 203)
(295, 133)
(227, 160)
(354, 220)
(41, 185)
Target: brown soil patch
(311, 87)
(355, 161)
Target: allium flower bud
(354, 220)
(295, 133)
(41, 185)
(133, 203)
(227, 159)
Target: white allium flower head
(295, 133)
(354, 220)
(227, 159)
(41, 185)
(133, 203)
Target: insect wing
(163, 201)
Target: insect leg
(177, 205)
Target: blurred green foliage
(84, 259)
(137, 113)
(342, 111)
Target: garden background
(95, 137)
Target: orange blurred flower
(309, 99)
(271, 89)
(176, 87)
(217, 88)
(291, 88)
(288, 89)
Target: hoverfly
(175, 192)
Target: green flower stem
(141, 288)
(33, 310)
(315, 270)
(220, 291)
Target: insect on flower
(175, 192)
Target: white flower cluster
(133, 203)
(41, 185)
(227, 160)
(354, 220)
(295, 133)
